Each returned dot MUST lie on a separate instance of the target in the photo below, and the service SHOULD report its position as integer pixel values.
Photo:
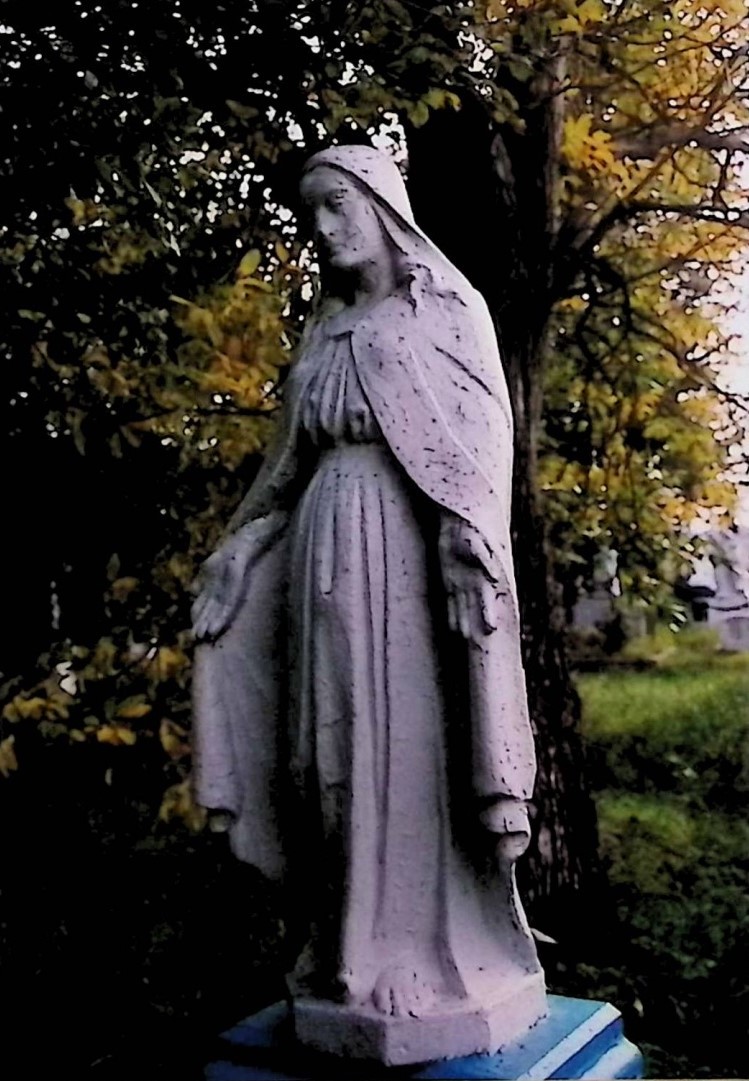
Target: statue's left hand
(467, 571)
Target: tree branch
(677, 134)
(721, 215)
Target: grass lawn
(669, 751)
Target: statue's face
(347, 231)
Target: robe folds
(429, 367)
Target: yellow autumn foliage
(116, 734)
(37, 708)
(167, 663)
(123, 587)
(581, 16)
(134, 708)
(173, 738)
(8, 760)
(178, 803)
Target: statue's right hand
(220, 584)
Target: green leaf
(419, 114)
(249, 264)
(244, 112)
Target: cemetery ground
(125, 946)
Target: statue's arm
(281, 476)
(257, 523)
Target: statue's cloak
(431, 371)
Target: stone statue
(359, 697)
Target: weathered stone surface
(360, 711)
(364, 1032)
(720, 583)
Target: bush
(670, 754)
(670, 648)
(128, 942)
(671, 730)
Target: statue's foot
(401, 992)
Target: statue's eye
(336, 200)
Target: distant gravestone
(595, 609)
(734, 633)
(722, 582)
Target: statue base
(364, 1033)
(577, 1039)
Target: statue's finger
(464, 620)
(486, 555)
(217, 621)
(197, 610)
(475, 615)
(488, 601)
(205, 602)
(491, 572)
(202, 617)
(208, 618)
(452, 617)
(469, 632)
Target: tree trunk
(487, 199)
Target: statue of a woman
(359, 696)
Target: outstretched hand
(220, 584)
(469, 574)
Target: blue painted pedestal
(578, 1039)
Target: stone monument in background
(719, 587)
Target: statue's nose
(325, 224)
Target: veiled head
(365, 217)
(376, 172)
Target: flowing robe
(333, 671)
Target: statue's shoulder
(460, 323)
